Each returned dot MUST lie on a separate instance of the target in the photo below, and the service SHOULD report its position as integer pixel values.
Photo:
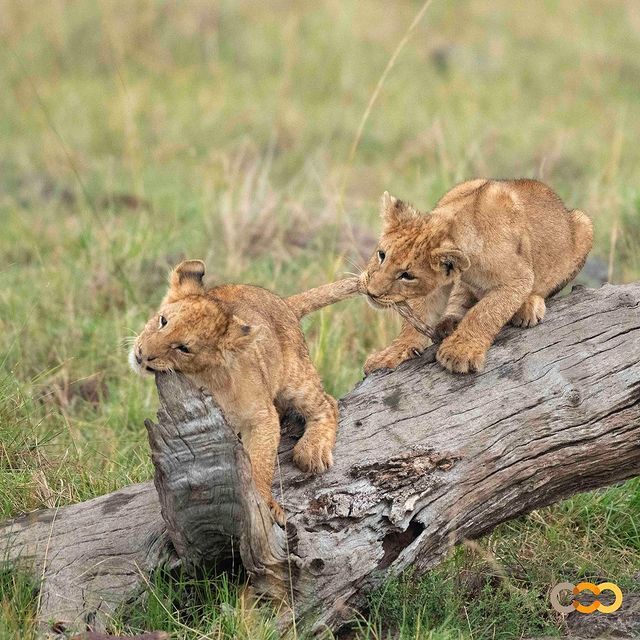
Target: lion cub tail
(309, 301)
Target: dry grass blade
(407, 313)
(376, 92)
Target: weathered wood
(423, 460)
(203, 477)
(426, 459)
(92, 556)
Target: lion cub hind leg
(582, 235)
(260, 438)
(566, 268)
(582, 241)
(530, 313)
(313, 453)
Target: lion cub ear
(394, 211)
(185, 280)
(449, 261)
(240, 334)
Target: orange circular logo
(596, 605)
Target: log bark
(424, 459)
(89, 557)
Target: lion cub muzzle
(140, 363)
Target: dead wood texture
(423, 460)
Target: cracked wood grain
(424, 459)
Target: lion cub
(245, 346)
(489, 253)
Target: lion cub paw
(530, 313)
(461, 356)
(313, 457)
(277, 512)
(390, 358)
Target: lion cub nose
(140, 357)
(373, 288)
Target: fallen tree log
(424, 459)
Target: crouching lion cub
(245, 346)
(489, 253)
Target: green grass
(133, 134)
(18, 604)
(184, 605)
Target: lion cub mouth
(379, 303)
(138, 368)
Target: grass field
(133, 134)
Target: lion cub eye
(381, 256)
(163, 322)
(405, 275)
(183, 348)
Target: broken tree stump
(424, 459)
(209, 504)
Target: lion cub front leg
(466, 348)
(313, 453)
(260, 438)
(408, 344)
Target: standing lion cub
(245, 346)
(489, 253)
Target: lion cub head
(192, 331)
(412, 259)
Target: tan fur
(490, 252)
(304, 303)
(246, 348)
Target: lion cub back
(262, 307)
(525, 213)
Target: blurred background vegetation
(136, 133)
